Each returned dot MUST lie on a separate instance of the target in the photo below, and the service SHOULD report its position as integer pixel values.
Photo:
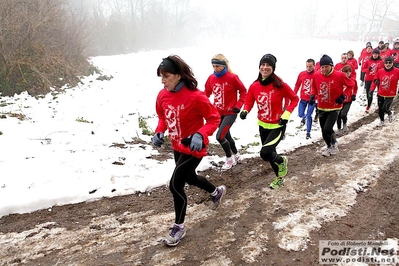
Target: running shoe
(230, 162)
(237, 157)
(303, 122)
(327, 152)
(381, 124)
(216, 200)
(282, 167)
(175, 235)
(391, 118)
(277, 182)
(334, 148)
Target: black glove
(376, 82)
(243, 114)
(370, 68)
(282, 122)
(157, 140)
(340, 99)
(311, 100)
(194, 141)
(353, 98)
(236, 110)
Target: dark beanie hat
(326, 60)
(376, 51)
(270, 59)
(389, 59)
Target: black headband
(218, 62)
(167, 65)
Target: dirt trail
(353, 195)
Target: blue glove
(243, 114)
(196, 142)
(311, 100)
(340, 99)
(157, 140)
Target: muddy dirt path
(353, 195)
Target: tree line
(46, 43)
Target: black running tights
(384, 105)
(185, 173)
(270, 139)
(327, 121)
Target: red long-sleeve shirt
(182, 113)
(364, 58)
(349, 91)
(395, 55)
(328, 89)
(386, 53)
(363, 55)
(304, 82)
(270, 101)
(388, 82)
(225, 89)
(353, 62)
(339, 66)
(372, 66)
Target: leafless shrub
(39, 47)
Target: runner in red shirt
(387, 81)
(385, 52)
(395, 53)
(372, 66)
(353, 62)
(188, 116)
(275, 101)
(344, 62)
(364, 56)
(225, 85)
(328, 90)
(350, 94)
(304, 82)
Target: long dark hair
(175, 65)
(273, 78)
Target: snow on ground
(60, 153)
